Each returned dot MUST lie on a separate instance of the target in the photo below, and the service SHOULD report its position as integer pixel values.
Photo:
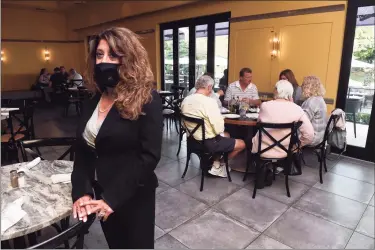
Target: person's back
(270, 113)
(316, 110)
(57, 79)
(213, 96)
(203, 107)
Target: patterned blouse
(316, 110)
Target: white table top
(8, 109)
(45, 204)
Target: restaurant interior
(330, 204)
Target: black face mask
(106, 75)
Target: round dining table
(248, 125)
(44, 202)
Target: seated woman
(270, 113)
(288, 75)
(315, 106)
(43, 80)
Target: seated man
(244, 89)
(215, 96)
(75, 78)
(57, 79)
(201, 105)
(270, 113)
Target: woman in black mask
(119, 141)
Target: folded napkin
(224, 110)
(12, 214)
(30, 165)
(61, 178)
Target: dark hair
(136, 78)
(290, 76)
(245, 70)
(56, 69)
(62, 67)
(42, 71)
(225, 72)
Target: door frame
(367, 153)
(210, 20)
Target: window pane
(183, 57)
(221, 50)
(200, 50)
(168, 59)
(360, 93)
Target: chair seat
(6, 137)
(168, 112)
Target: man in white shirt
(201, 105)
(244, 89)
(213, 95)
(75, 78)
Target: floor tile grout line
(291, 205)
(341, 195)
(329, 171)
(356, 226)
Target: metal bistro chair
(27, 145)
(182, 129)
(178, 91)
(353, 106)
(287, 161)
(198, 148)
(321, 149)
(77, 230)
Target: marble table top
(45, 203)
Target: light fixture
(2, 55)
(275, 42)
(46, 54)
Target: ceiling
(58, 5)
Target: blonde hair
(136, 78)
(312, 86)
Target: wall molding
(143, 32)
(4, 40)
(289, 13)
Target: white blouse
(92, 128)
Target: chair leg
(202, 181)
(227, 167)
(256, 180)
(187, 165)
(179, 143)
(274, 171)
(320, 169)
(355, 126)
(175, 123)
(324, 157)
(287, 184)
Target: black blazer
(126, 153)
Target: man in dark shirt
(64, 73)
(223, 83)
(57, 79)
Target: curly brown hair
(136, 78)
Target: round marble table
(45, 203)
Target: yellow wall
(310, 44)
(23, 60)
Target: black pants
(133, 225)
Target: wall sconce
(46, 55)
(2, 55)
(275, 42)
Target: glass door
(191, 47)
(356, 96)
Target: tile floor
(336, 214)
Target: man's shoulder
(233, 84)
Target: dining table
(45, 201)
(244, 126)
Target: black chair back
(263, 129)
(47, 142)
(178, 91)
(77, 230)
(199, 123)
(330, 124)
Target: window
(192, 47)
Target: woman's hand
(100, 207)
(80, 210)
